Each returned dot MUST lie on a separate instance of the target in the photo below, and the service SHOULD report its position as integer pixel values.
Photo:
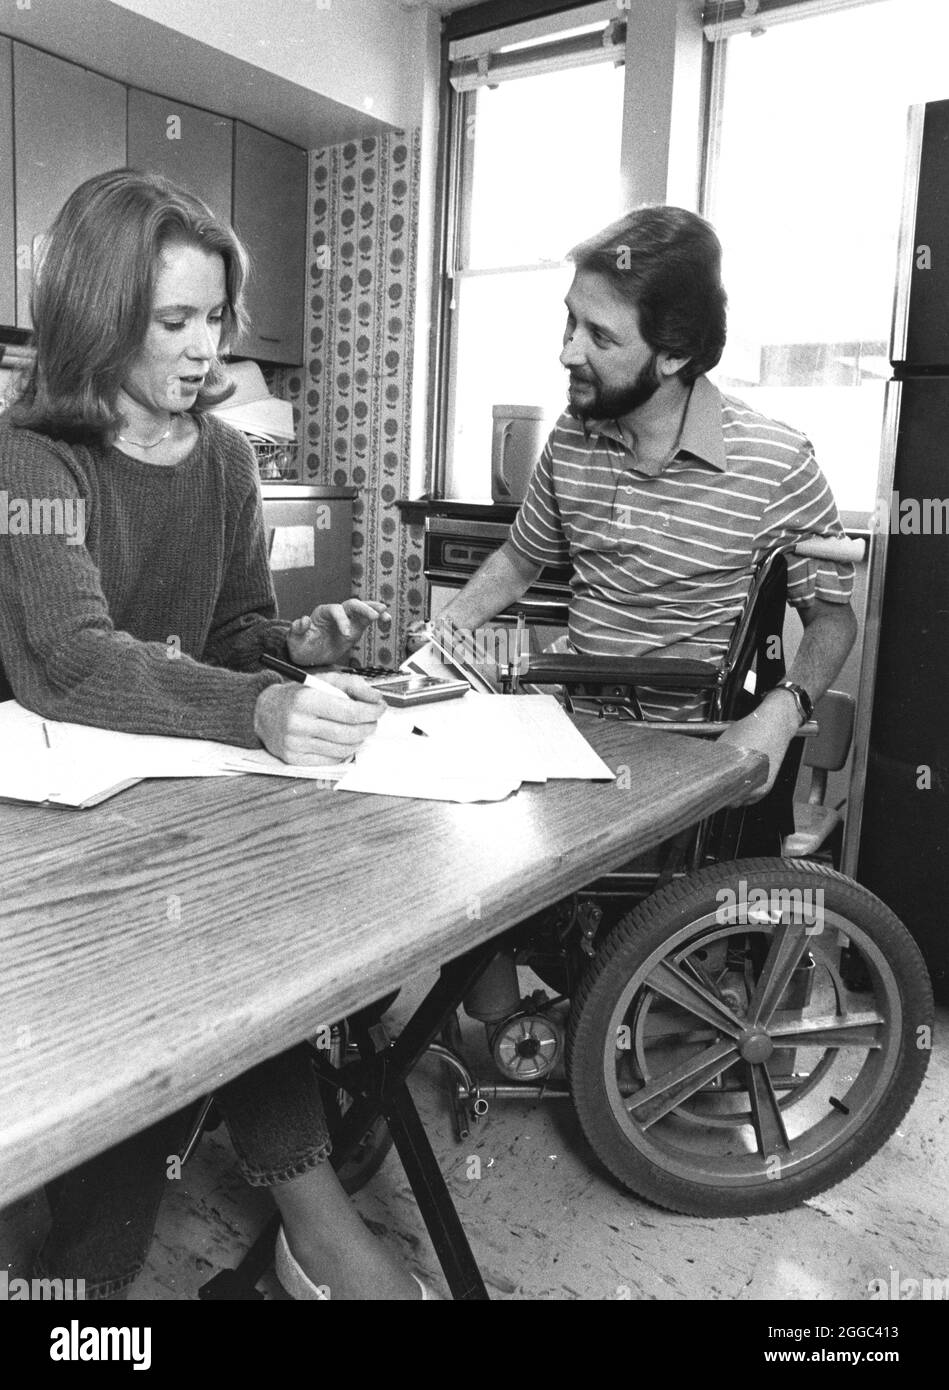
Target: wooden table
(164, 942)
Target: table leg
(433, 1198)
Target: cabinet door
(270, 179)
(69, 125)
(7, 229)
(189, 146)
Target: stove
(456, 547)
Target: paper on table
(566, 752)
(478, 748)
(258, 760)
(396, 762)
(533, 731)
(493, 732)
(39, 778)
(83, 762)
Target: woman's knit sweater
(133, 595)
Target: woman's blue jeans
(104, 1212)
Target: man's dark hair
(667, 262)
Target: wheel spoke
(676, 1085)
(766, 1113)
(671, 982)
(834, 1030)
(787, 946)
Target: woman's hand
(301, 724)
(332, 630)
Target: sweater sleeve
(61, 652)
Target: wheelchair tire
(671, 1057)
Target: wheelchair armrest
(676, 673)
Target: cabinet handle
(264, 339)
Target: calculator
(399, 689)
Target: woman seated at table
(152, 619)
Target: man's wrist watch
(805, 705)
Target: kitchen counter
(415, 510)
(277, 491)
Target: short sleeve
(803, 509)
(537, 532)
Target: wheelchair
(739, 1029)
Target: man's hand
(769, 729)
(332, 630)
(829, 630)
(301, 724)
(418, 635)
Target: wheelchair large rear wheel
(747, 1037)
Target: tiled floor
(545, 1223)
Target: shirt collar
(701, 436)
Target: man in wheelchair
(709, 1049)
(662, 493)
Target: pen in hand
(296, 673)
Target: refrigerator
(900, 843)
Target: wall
(358, 381)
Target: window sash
(531, 30)
(455, 268)
(607, 45)
(735, 16)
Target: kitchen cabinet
(191, 147)
(69, 124)
(7, 229)
(270, 202)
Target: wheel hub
(526, 1047)
(755, 1045)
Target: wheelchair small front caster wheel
(526, 1047)
(722, 1058)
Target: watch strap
(805, 705)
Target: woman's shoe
(428, 1295)
(291, 1277)
(301, 1287)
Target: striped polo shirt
(663, 557)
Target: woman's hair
(667, 263)
(92, 299)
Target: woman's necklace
(137, 443)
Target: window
(805, 188)
(536, 141)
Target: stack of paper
(64, 764)
(478, 748)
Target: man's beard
(613, 402)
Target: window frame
(455, 180)
(454, 170)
